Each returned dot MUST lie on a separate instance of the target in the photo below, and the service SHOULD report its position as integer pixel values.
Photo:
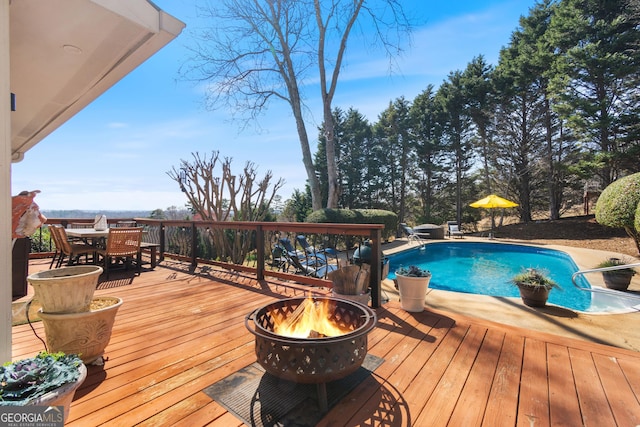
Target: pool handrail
(599, 270)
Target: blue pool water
(487, 268)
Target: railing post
(162, 240)
(194, 245)
(260, 253)
(376, 267)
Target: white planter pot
(413, 291)
(66, 289)
(85, 334)
(62, 396)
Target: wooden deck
(177, 333)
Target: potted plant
(86, 333)
(412, 283)
(48, 379)
(618, 279)
(75, 321)
(534, 286)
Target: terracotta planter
(617, 279)
(66, 289)
(534, 296)
(62, 396)
(413, 291)
(86, 333)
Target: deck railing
(207, 242)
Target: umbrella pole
(492, 224)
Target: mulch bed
(578, 231)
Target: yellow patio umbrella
(492, 202)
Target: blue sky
(114, 154)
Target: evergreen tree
(393, 132)
(355, 138)
(456, 132)
(595, 79)
(427, 141)
(478, 87)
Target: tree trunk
(554, 205)
(307, 160)
(333, 189)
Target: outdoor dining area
(98, 243)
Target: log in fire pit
(312, 340)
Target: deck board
(534, 396)
(562, 391)
(471, 404)
(501, 409)
(452, 381)
(589, 388)
(177, 333)
(619, 394)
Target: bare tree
(226, 197)
(257, 50)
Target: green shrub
(357, 216)
(636, 222)
(619, 206)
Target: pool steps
(614, 301)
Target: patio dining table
(98, 238)
(90, 236)
(87, 233)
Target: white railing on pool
(609, 297)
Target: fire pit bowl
(312, 360)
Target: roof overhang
(66, 53)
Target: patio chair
(123, 243)
(411, 235)
(285, 244)
(302, 241)
(57, 252)
(309, 266)
(278, 258)
(453, 229)
(66, 248)
(80, 225)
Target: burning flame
(311, 319)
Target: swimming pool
(487, 268)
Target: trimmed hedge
(619, 206)
(357, 216)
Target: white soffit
(66, 53)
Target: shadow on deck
(178, 333)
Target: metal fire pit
(312, 360)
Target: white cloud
(118, 125)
